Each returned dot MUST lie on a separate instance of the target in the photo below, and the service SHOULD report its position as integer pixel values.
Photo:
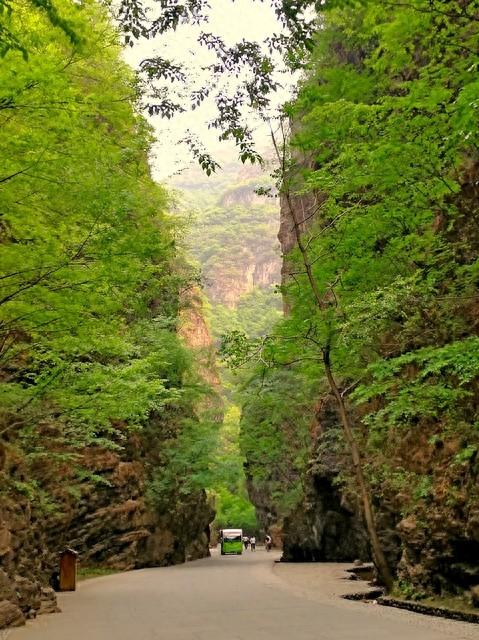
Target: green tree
(378, 182)
(91, 274)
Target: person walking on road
(252, 542)
(245, 542)
(268, 542)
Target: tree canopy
(380, 173)
(92, 277)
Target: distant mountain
(234, 238)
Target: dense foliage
(274, 438)
(233, 239)
(233, 507)
(391, 132)
(383, 168)
(91, 276)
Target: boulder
(48, 607)
(7, 590)
(327, 525)
(475, 595)
(10, 615)
(5, 539)
(49, 602)
(28, 593)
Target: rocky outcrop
(240, 274)
(438, 533)
(114, 526)
(25, 559)
(10, 614)
(305, 208)
(326, 525)
(429, 528)
(195, 332)
(110, 522)
(324, 528)
(108, 513)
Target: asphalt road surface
(228, 598)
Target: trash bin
(68, 570)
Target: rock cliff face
(233, 236)
(115, 526)
(195, 332)
(25, 559)
(326, 526)
(429, 532)
(248, 261)
(107, 516)
(437, 535)
(240, 274)
(110, 523)
(304, 209)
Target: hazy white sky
(233, 21)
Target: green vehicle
(231, 542)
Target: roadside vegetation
(379, 177)
(93, 274)
(366, 389)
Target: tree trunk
(378, 555)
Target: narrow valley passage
(226, 598)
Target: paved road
(226, 598)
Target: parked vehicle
(231, 542)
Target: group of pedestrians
(250, 542)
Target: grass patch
(456, 603)
(84, 573)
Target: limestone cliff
(325, 524)
(194, 330)
(110, 522)
(233, 234)
(106, 514)
(428, 529)
(247, 269)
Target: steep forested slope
(106, 442)
(232, 236)
(99, 396)
(380, 186)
